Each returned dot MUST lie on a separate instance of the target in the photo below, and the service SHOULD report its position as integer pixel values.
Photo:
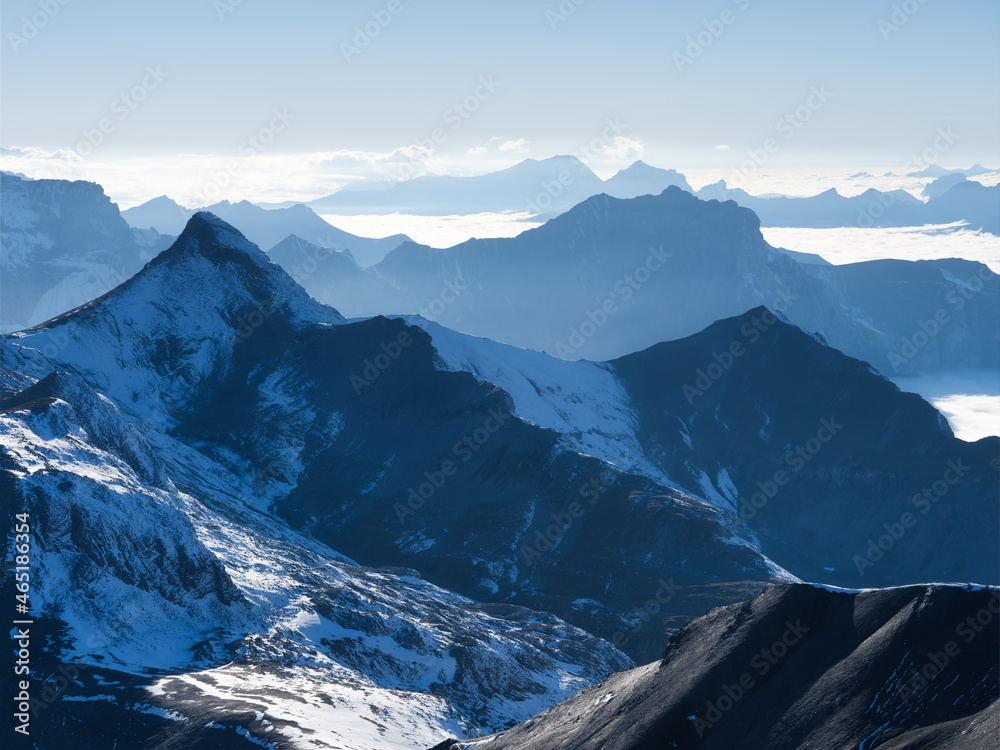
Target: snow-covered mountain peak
(241, 274)
(207, 234)
(176, 324)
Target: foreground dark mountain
(614, 276)
(600, 493)
(62, 244)
(842, 477)
(800, 667)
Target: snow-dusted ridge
(270, 601)
(190, 307)
(177, 572)
(581, 400)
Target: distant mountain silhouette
(266, 228)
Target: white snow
(582, 400)
(350, 653)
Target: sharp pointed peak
(207, 235)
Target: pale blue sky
(557, 87)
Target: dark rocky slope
(800, 667)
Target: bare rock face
(63, 243)
(800, 666)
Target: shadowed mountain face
(936, 314)
(842, 477)
(167, 606)
(800, 667)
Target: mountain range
(532, 186)
(643, 259)
(217, 347)
(950, 201)
(548, 187)
(936, 170)
(613, 276)
(283, 525)
(266, 228)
